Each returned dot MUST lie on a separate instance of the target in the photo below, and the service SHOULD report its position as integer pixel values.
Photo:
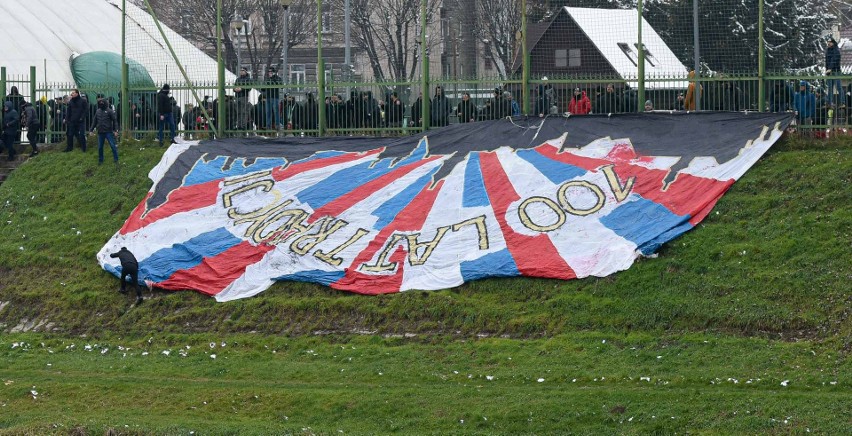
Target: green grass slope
(773, 258)
(740, 326)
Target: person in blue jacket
(804, 103)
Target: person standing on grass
(164, 108)
(129, 267)
(75, 120)
(106, 124)
(11, 124)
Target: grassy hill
(759, 293)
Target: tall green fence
(394, 67)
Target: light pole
(237, 24)
(286, 41)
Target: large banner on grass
(557, 197)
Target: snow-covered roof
(615, 33)
(46, 33)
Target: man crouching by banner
(129, 267)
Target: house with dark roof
(591, 43)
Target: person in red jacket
(580, 104)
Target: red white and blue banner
(557, 197)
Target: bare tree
(495, 25)
(388, 33)
(195, 20)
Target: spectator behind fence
(580, 104)
(417, 111)
(804, 103)
(649, 106)
(188, 120)
(832, 68)
(440, 109)
(241, 92)
(608, 102)
(678, 104)
(689, 99)
(16, 98)
(395, 111)
(164, 112)
(466, 110)
(271, 95)
(780, 96)
(509, 101)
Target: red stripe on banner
(534, 255)
(183, 199)
(215, 273)
(348, 200)
(135, 216)
(686, 195)
(279, 174)
(409, 219)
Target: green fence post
(424, 80)
(124, 101)
(3, 80)
(32, 84)
(761, 60)
(526, 57)
(641, 71)
(320, 73)
(219, 130)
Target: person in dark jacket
(33, 124)
(440, 108)
(416, 111)
(129, 267)
(395, 112)
(466, 110)
(242, 87)
(164, 110)
(106, 124)
(75, 120)
(16, 98)
(11, 124)
(608, 102)
(271, 96)
(832, 68)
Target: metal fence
(553, 62)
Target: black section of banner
(686, 135)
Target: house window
(560, 58)
(326, 22)
(574, 57)
(297, 74)
(629, 53)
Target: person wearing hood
(466, 110)
(649, 106)
(832, 68)
(11, 124)
(75, 120)
(33, 125)
(106, 124)
(16, 98)
(804, 103)
(164, 109)
(580, 103)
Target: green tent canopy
(100, 72)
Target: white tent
(47, 33)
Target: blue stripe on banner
(321, 155)
(651, 246)
(644, 223)
(557, 172)
(389, 210)
(474, 194)
(204, 172)
(346, 180)
(315, 276)
(497, 264)
(160, 265)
